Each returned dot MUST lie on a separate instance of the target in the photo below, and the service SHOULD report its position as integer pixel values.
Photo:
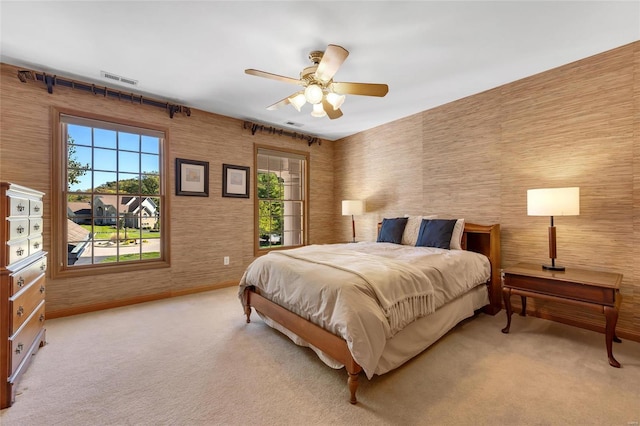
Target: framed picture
(235, 181)
(192, 177)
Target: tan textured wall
(577, 125)
(203, 230)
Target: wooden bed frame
(484, 239)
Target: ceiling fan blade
(364, 89)
(279, 104)
(271, 76)
(331, 113)
(331, 60)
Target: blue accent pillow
(391, 230)
(435, 233)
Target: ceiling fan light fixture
(318, 111)
(298, 101)
(313, 94)
(335, 100)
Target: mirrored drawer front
(25, 302)
(27, 275)
(35, 208)
(17, 250)
(18, 228)
(35, 244)
(18, 207)
(35, 225)
(21, 342)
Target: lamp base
(553, 268)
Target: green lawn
(105, 232)
(131, 256)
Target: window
(281, 198)
(109, 199)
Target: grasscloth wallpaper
(577, 125)
(203, 230)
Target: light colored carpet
(193, 360)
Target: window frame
(259, 251)
(59, 196)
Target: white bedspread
(350, 290)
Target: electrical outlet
(226, 260)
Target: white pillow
(456, 236)
(411, 231)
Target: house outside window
(281, 198)
(110, 196)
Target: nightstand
(590, 289)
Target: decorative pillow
(411, 231)
(456, 236)
(391, 230)
(436, 233)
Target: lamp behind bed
(353, 208)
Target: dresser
(23, 264)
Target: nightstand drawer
(566, 289)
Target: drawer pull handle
(20, 311)
(20, 207)
(42, 267)
(20, 251)
(36, 245)
(19, 349)
(20, 229)
(36, 227)
(20, 282)
(41, 318)
(41, 289)
(36, 209)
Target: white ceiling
(194, 53)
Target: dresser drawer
(25, 302)
(25, 276)
(35, 208)
(21, 342)
(35, 225)
(18, 228)
(17, 250)
(35, 244)
(18, 206)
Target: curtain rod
(254, 127)
(52, 80)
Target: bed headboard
(485, 239)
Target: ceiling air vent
(119, 79)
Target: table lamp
(353, 208)
(553, 202)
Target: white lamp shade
(553, 202)
(352, 207)
(318, 111)
(335, 100)
(298, 101)
(313, 94)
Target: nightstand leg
(523, 313)
(506, 295)
(611, 314)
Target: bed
(352, 313)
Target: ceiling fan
(320, 90)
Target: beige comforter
(364, 292)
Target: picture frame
(192, 177)
(235, 181)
